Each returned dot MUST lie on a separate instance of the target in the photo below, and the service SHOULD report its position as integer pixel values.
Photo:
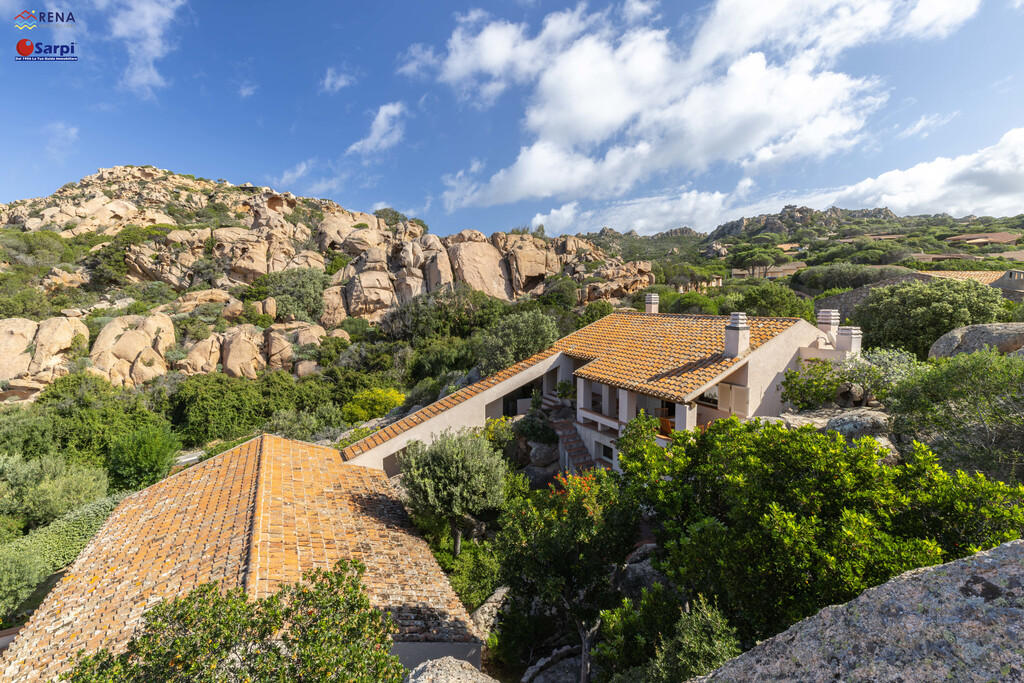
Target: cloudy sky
(635, 114)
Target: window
(606, 452)
(709, 397)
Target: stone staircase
(550, 401)
(569, 441)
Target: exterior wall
(413, 654)
(767, 365)
(472, 412)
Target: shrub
(913, 315)
(298, 292)
(41, 490)
(811, 385)
(515, 338)
(632, 632)
(971, 408)
(594, 312)
(798, 519)
(458, 474)
(694, 302)
(440, 356)
(878, 371)
(773, 300)
(354, 435)
(444, 313)
(27, 431)
(142, 458)
(560, 292)
(323, 628)
(371, 403)
(215, 406)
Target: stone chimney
(651, 303)
(737, 335)
(848, 340)
(828, 321)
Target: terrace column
(607, 398)
(582, 396)
(686, 416)
(627, 405)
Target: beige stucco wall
(471, 413)
(767, 365)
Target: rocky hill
(140, 226)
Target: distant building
(773, 273)
(255, 516)
(933, 258)
(982, 239)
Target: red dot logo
(25, 47)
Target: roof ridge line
(252, 551)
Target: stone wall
(846, 302)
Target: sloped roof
(255, 516)
(1001, 237)
(985, 277)
(664, 355)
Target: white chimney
(737, 335)
(651, 303)
(828, 321)
(849, 339)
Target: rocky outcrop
(447, 670)
(960, 621)
(283, 338)
(481, 266)
(130, 349)
(58, 278)
(34, 354)
(1004, 337)
(850, 423)
(242, 351)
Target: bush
(632, 632)
(594, 312)
(321, 629)
(971, 408)
(371, 403)
(444, 313)
(298, 292)
(27, 431)
(215, 406)
(844, 276)
(142, 458)
(811, 385)
(515, 338)
(913, 315)
(878, 371)
(41, 490)
(560, 292)
(798, 519)
(773, 300)
(440, 356)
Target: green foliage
(337, 262)
(701, 642)
(458, 474)
(560, 292)
(473, 574)
(390, 216)
(556, 548)
(357, 328)
(139, 459)
(330, 350)
(215, 406)
(354, 435)
(565, 389)
(844, 276)
(971, 407)
(45, 488)
(108, 264)
(515, 338)
(800, 520)
(693, 302)
(298, 292)
(439, 357)
(27, 431)
(594, 312)
(879, 371)
(773, 300)
(913, 315)
(535, 426)
(323, 629)
(455, 312)
(325, 421)
(632, 632)
(811, 385)
(370, 403)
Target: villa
(256, 516)
(686, 370)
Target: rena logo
(40, 52)
(25, 20)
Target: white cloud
(986, 182)
(638, 10)
(612, 103)
(326, 185)
(418, 60)
(300, 170)
(386, 131)
(60, 140)
(335, 79)
(925, 125)
(557, 220)
(247, 89)
(377, 206)
(143, 26)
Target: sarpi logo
(41, 52)
(25, 20)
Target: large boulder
(960, 621)
(242, 351)
(203, 357)
(370, 295)
(447, 670)
(481, 266)
(54, 339)
(1004, 337)
(15, 336)
(129, 350)
(334, 307)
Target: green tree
(458, 474)
(322, 629)
(561, 292)
(298, 291)
(139, 459)
(971, 407)
(594, 312)
(773, 300)
(559, 547)
(391, 217)
(515, 338)
(215, 406)
(799, 520)
(370, 403)
(45, 488)
(913, 315)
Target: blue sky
(634, 114)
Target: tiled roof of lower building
(257, 516)
(662, 355)
(985, 277)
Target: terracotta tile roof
(998, 237)
(254, 516)
(439, 406)
(985, 277)
(666, 356)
